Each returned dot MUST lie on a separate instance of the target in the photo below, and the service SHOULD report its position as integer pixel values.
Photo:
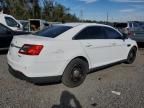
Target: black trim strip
(105, 66)
(36, 80)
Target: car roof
(76, 28)
(67, 24)
(81, 24)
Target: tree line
(38, 9)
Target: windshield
(52, 31)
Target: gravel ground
(96, 92)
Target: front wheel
(131, 56)
(75, 73)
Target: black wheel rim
(77, 74)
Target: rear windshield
(52, 31)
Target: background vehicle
(25, 24)
(6, 36)
(134, 29)
(37, 24)
(10, 22)
(67, 52)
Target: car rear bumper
(34, 68)
(36, 80)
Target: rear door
(95, 44)
(5, 36)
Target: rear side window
(11, 22)
(94, 32)
(53, 31)
(112, 34)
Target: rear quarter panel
(62, 51)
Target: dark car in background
(6, 35)
(135, 30)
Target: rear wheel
(75, 73)
(131, 56)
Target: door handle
(128, 45)
(89, 45)
(114, 44)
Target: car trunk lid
(19, 41)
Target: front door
(96, 45)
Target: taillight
(29, 49)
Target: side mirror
(125, 36)
(18, 25)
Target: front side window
(94, 32)
(11, 22)
(112, 34)
(53, 31)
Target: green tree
(45, 9)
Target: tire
(131, 56)
(75, 73)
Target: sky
(116, 10)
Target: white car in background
(67, 52)
(10, 22)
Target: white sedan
(67, 52)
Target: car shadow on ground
(3, 52)
(68, 100)
(98, 69)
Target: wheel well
(135, 47)
(82, 58)
(79, 57)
